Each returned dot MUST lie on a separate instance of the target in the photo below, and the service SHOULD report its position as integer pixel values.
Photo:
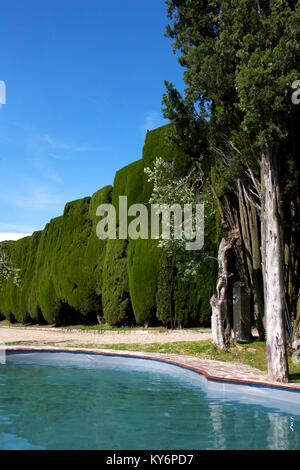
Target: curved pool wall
(58, 399)
(271, 397)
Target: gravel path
(60, 337)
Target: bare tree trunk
(292, 256)
(296, 328)
(273, 263)
(171, 300)
(249, 232)
(220, 323)
(257, 273)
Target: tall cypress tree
(241, 58)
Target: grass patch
(252, 354)
(159, 329)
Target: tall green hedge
(69, 275)
(142, 272)
(60, 273)
(158, 144)
(117, 307)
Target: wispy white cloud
(65, 146)
(36, 198)
(12, 236)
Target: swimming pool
(67, 400)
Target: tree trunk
(296, 328)
(292, 256)
(171, 297)
(220, 322)
(257, 275)
(249, 232)
(228, 207)
(273, 263)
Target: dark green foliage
(192, 307)
(159, 143)
(95, 251)
(156, 145)
(129, 181)
(117, 308)
(133, 276)
(13, 299)
(142, 272)
(165, 309)
(188, 302)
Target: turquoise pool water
(77, 401)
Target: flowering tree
(6, 271)
(170, 190)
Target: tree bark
(257, 273)
(296, 328)
(273, 263)
(249, 232)
(171, 299)
(220, 321)
(228, 209)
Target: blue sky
(84, 81)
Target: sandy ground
(61, 337)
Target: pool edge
(290, 387)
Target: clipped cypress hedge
(129, 266)
(116, 302)
(15, 301)
(143, 258)
(60, 273)
(117, 307)
(68, 275)
(157, 144)
(142, 255)
(192, 307)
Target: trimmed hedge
(115, 298)
(68, 275)
(143, 258)
(157, 144)
(60, 276)
(117, 306)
